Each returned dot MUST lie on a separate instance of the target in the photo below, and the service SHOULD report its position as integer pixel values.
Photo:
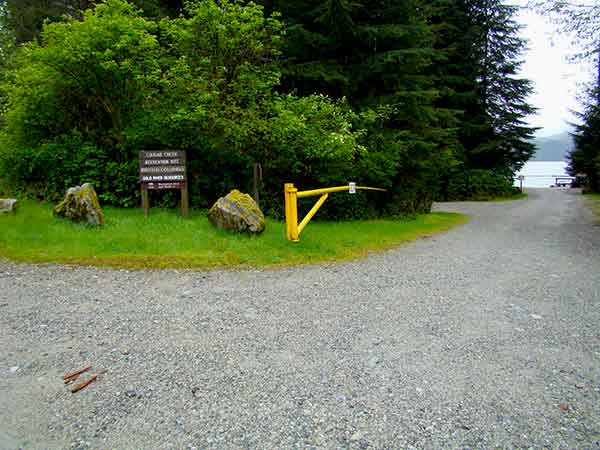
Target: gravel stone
(433, 345)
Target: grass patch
(507, 198)
(517, 196)
(166, 240)
(594, 202)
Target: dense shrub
(585, 157)
(477, 184)
(84, 102)
(49, 170)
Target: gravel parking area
(485, 337)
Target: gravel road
(485, 337)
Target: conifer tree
(585, 157)
(502, 94)
(581, 20)
(377, 54)
(481, 43)
(478, 50)
(25, 18)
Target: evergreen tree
(483, 49)
(378, 55)
(503, 96)
(582, 21)
(25, 18)
(585, 157)
(364, 52)
(478, 52)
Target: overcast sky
(555, 78)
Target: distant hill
(553, 148)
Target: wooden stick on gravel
(71, 376)
(83, 384)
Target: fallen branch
(83, 384)
(73, 375)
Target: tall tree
(585, 157)
(377, 54)
(363, 51)
(478, 49)
(502, 94)
(582, 21)
(25, 18)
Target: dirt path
(485, 337)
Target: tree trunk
(598, 79)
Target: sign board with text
(161, 170)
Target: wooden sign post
(521, 178)
(164, 169)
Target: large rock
(237, 212)
(81, 205)
(8, 205)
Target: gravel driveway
(485, 337)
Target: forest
(419, 97)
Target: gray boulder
(8, 205)
(237, 212)
(81, 205)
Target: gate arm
(291, 194)
(313, 192)
(312, 212)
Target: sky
(555, 78)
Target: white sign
(352, 188)
(521, 177)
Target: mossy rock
(81, 205)
(237, 212)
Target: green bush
(585, 157)
(477, 184)
(50, 169)
(84, 102)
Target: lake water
(540, 174)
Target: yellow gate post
(291, 213)
(291, 196)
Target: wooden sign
(163, 169)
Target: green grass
(166, 240)
(508, 198)
(594, 202)
(517, 196)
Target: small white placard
(352, 187)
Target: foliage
(69, 102)
(585, 157)
(127, 240)
(204, 83)
(398, 95)
(480, 82)
(479, 184)
(582, 21)
(378, 56)
(47, 171)
(593, 200)
(444, 71)
(502, 94)
(25, 18)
